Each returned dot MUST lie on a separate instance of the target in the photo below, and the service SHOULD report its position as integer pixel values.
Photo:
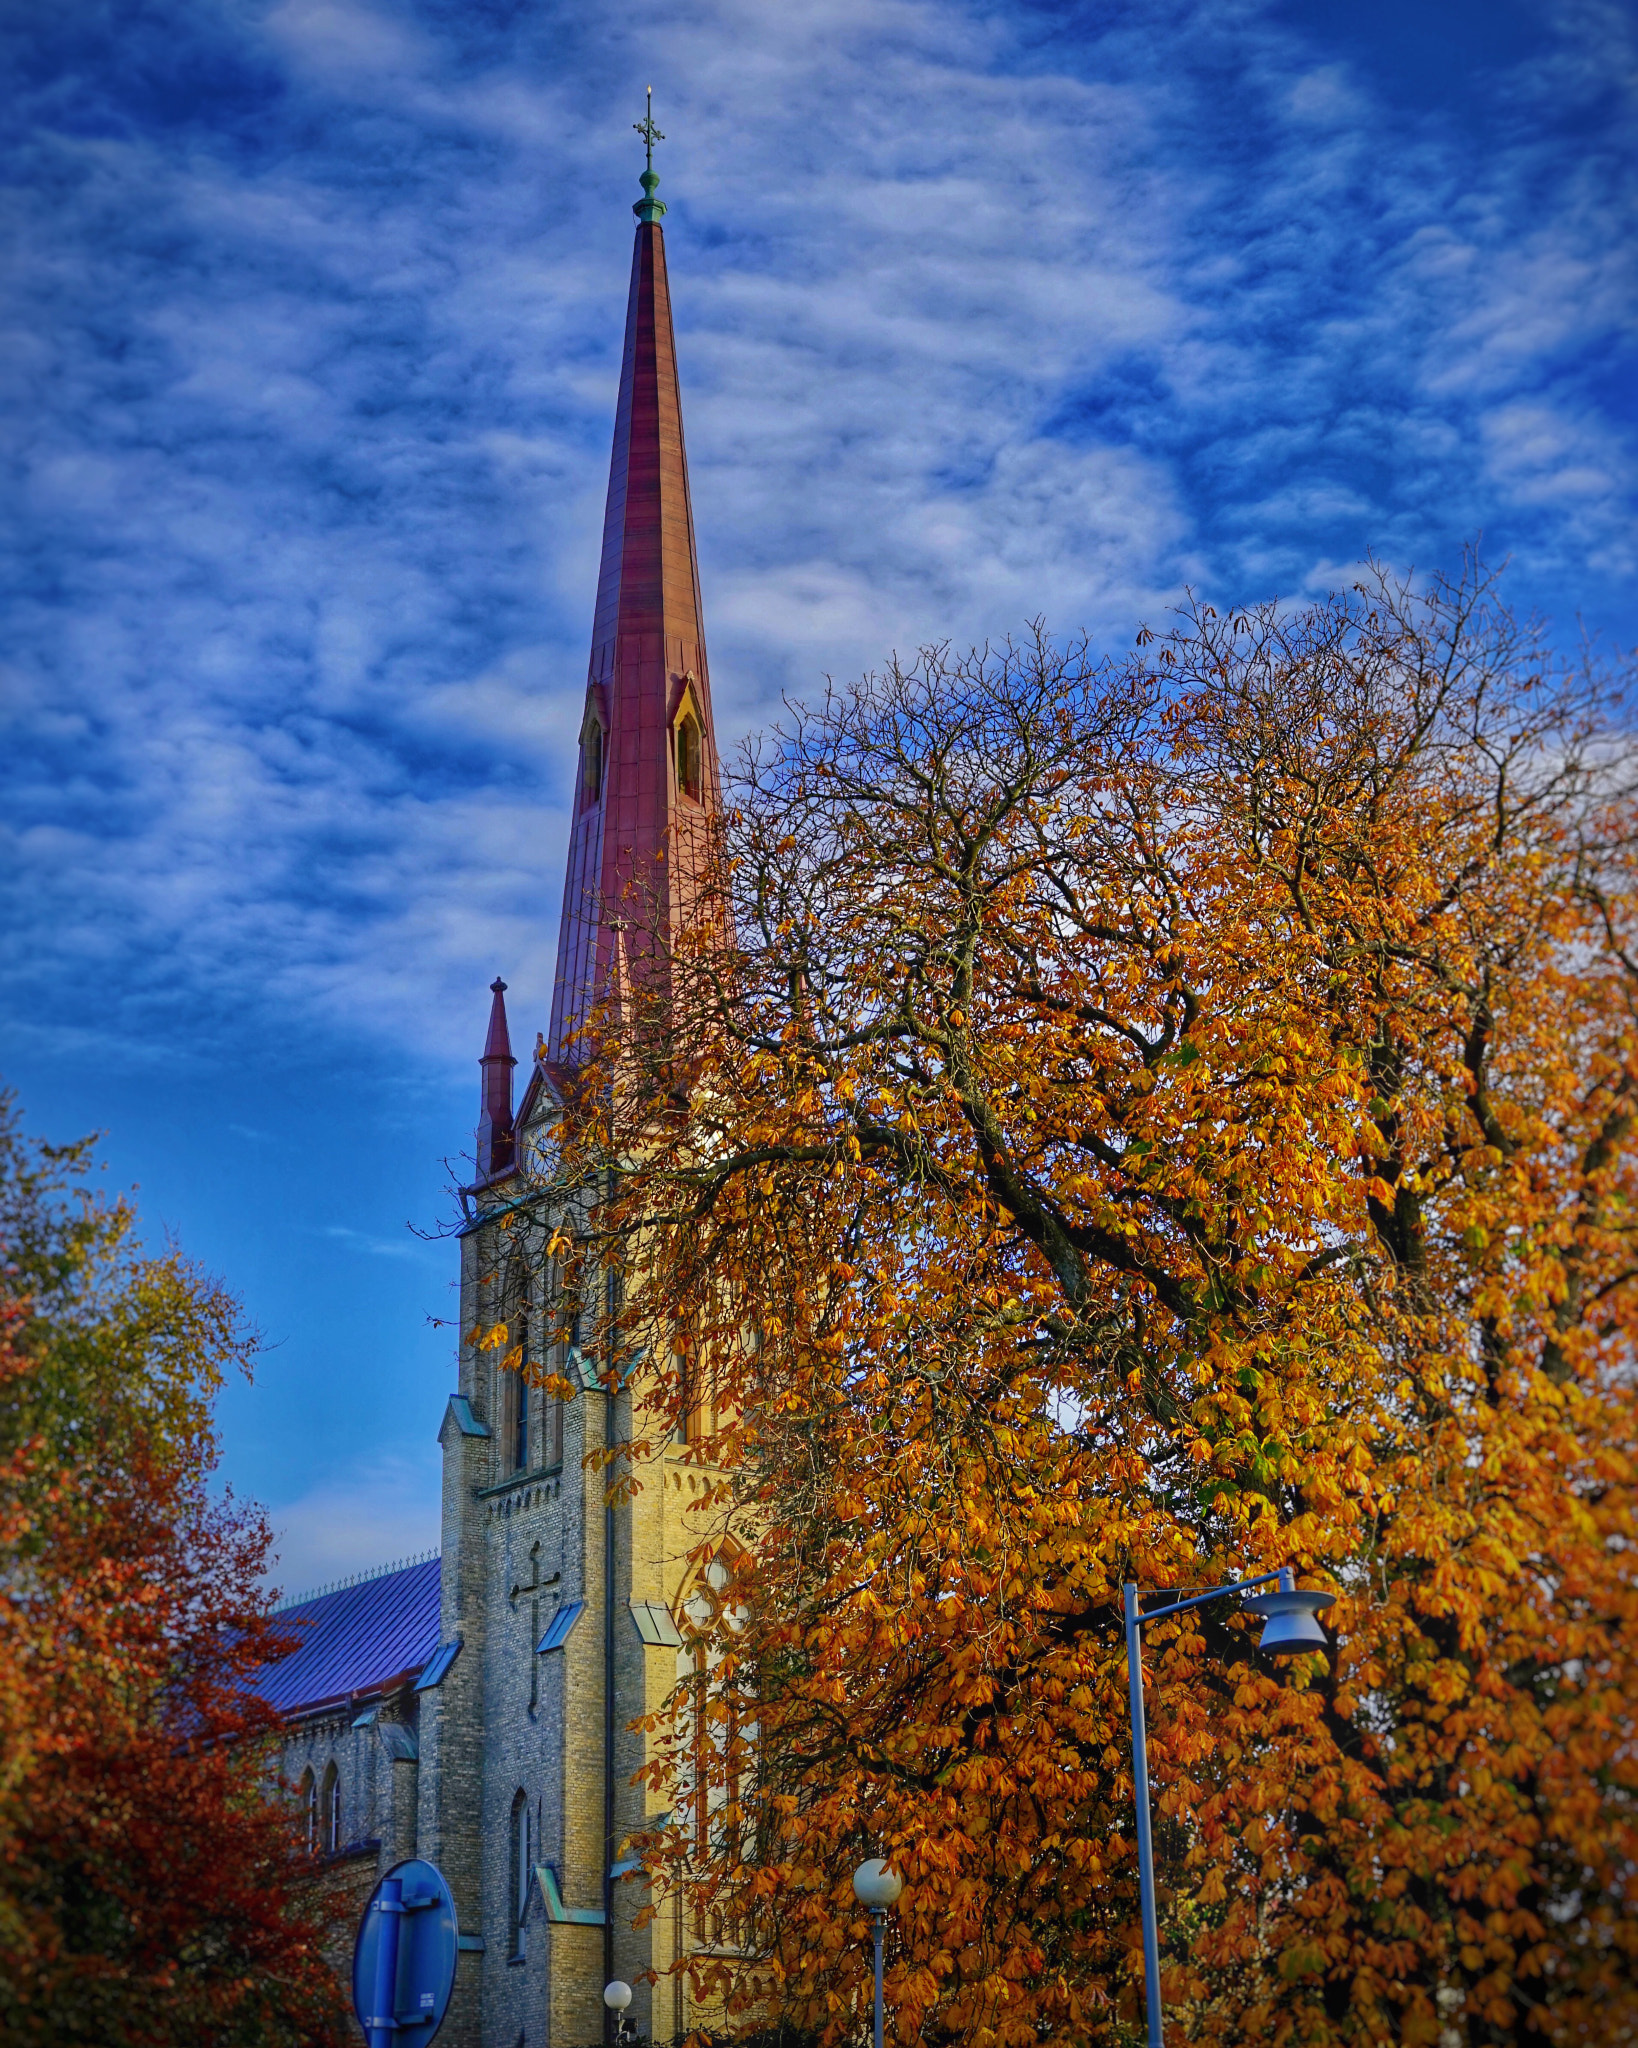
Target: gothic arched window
(553, 1358)
(520, 1862)
(697, 1378)
(520, 1401)
(330, 1808)
(307, 1798)
(688, 758)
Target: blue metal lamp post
(875, 1886)
(1291, 1627)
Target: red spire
(497, 1153)
(647, 781)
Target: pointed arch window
(307, 1798)
(696, 1378)
(561, 1336)
(330, 1810)
(520, 1868)
(688, 756)
(520, 1401)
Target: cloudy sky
(987, 310)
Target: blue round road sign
(404, 1958)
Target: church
(476, 1708)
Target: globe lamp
(875, 1885)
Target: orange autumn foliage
(1159, 1122)
(149, 1878)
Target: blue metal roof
(356, 1640)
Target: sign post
(404, 1957)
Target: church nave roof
(360, 1640)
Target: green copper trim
(558, 1914)
(648, 208)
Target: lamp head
(875, 1885)
(1291, 1625)
(617, 1995)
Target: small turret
(497, 1143)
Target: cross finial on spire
(648, 208)
(647, 130)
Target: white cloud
(312, 409)
(375, 1247)
(330, 37)
(385, 1509)
(1541, 455)
(1327, 97)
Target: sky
(310, 332)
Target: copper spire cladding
(648, 780)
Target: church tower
(559, 1614)
(477, 1708)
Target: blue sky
(311, 331)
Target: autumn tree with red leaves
(1157, 1121)
(149, 1874)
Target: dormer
(687, 739)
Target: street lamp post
(1291, 1625)
(617, 1997)
(875, 1886)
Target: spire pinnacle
(497, 1149)
(498, 1045)
(648, 208)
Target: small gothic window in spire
(591, 759)
(688, 758)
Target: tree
(1159, 1121)
(149, 1877)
